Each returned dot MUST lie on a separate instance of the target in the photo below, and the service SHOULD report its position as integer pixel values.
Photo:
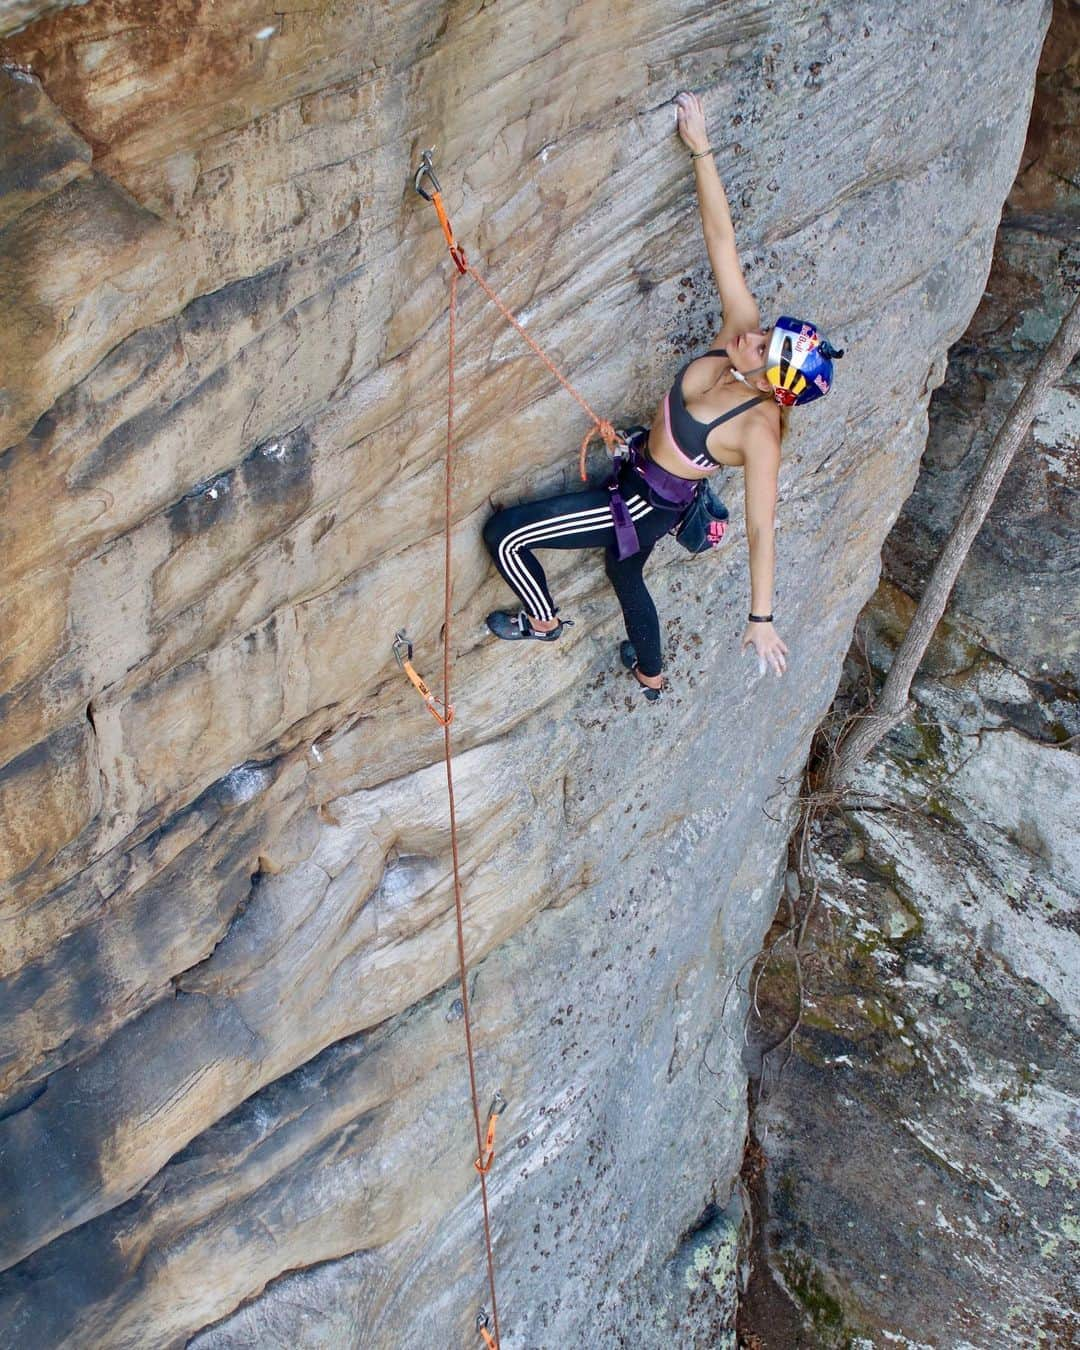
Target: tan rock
(39, 152)
(47, 796)
(78, 270)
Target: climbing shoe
(514, 627)
(628, 656)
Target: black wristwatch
(760, 618)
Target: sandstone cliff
(232, 1066)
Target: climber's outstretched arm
(762, 466)
(741, 312)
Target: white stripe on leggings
(527, 535)
(576, 522)
(573, 523)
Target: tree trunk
(893, 704)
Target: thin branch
(893, 704)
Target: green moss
(818, 1020)
(916, 750)
(880, 1016)
(806, 1284)
(931, 740)
(864, 946)
(839, 1015)
(827, 1313)
(940, 810)
(1026, 1079)
(785, 1189)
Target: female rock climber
(706, 421)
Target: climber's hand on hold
(768, 645)
(690, 120)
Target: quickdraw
(426, 170)
(487, 1156)
(442, 712)
(483, 1326)
(600, 426)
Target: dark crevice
(234, 919)
(19, 1101)
(708, 1215)
(300, 1268)
(767, 1318)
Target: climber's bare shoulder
(760, 434)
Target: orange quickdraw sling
(403, 651)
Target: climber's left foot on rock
(514, 627)
(652, 686)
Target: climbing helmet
(799, 365)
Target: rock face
(923, 1141)
(232, 1065)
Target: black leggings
(583, 520)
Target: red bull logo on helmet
(807, 340)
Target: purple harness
(677, 493)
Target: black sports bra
(687, 434)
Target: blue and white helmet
(799, 364)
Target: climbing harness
(427, 185)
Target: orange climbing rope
(442, 709)
(600, 426)
(448, 756)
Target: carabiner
(402, 647)
(426, 170)
(498, 1104)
